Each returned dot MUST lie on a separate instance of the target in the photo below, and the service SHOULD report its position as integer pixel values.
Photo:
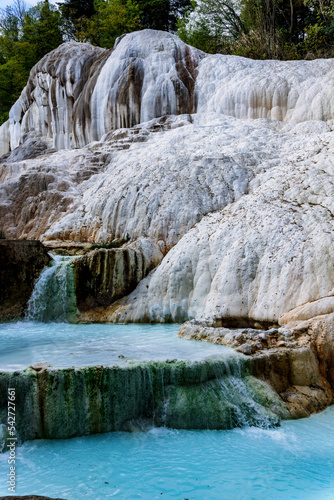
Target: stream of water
(53, 297)
(63, 344)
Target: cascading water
(244, 396)
(125, 376)
(224, 396)
(53, 297)
(70, 402)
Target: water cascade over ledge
(152, 382)
(53, 297)
(211, 394)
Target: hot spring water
(293, 461)
(53, 297)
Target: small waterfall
(53, 297)
(242, 395)
(177, 394)
(224, 397)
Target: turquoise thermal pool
(294, 461)
(63, 345)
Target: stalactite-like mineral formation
(217, 172)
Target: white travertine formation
(77, 93)
(288, 91)
(259, 257)
(241, 209)
(45, 107)
(149, 74)
(162, 187)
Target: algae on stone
(214, 394)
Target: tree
(113, 18)
(42, 28)
(162, 14)
(75, 14)
(12, 19)
(261, 29)
(209, 25)
(25, 37)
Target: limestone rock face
(322, 338)
(259, 257)
(155, 180)
(211, 394)
(77, 93)
(103, 276)
(289, 91)
(296, 360)
(45, 107)
(20, 264)
(159, 188)
(225, 164)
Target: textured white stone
(77, 93)
(162, 187)
(241, 209)
(259, 257)
(45, 107)
(289, 91)
(4, 138)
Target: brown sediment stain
(104, 276)
(83, 132)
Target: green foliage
(60, 251)
(155, 14)
(16, 59)
(198, 34)
(11, 20)
(2, 235)
(211, 26)
(74, 14)
(42, 28)
(75, 9)
(25, 37)
(261, 29)
(113, 18)
(162, 14)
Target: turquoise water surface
(295, 461)
(63, 344)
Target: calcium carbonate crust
(225, 163)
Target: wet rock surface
(217, 393)
(20, 265)
(224, 164)
(145, 76)
(105, 275)
(297, 359)
(239, 338)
